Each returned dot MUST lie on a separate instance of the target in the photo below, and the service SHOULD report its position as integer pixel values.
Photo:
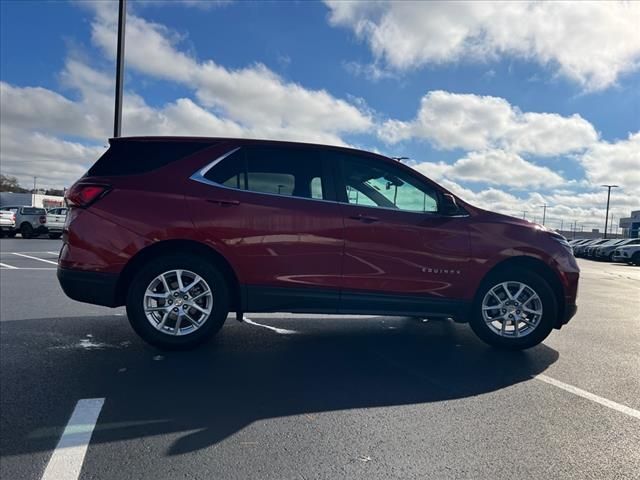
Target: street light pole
(606, 218)
(544, 213)
(117, 120)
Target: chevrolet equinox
(184, 230)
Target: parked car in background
(7, 222)
(579, 251)
(590, 251)
(30, 221)
(184, 230)
(605, 252)
(55, 221)
(627, 254)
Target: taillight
(84, 194)
(13, 217)
(43, 219)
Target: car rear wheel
(514, 310)
(55, 235)
(26, 230)
(635, 259)
(178, 302)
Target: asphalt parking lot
(302, 397)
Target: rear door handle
(222, 202)
(364, 218)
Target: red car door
(272, 211)
(401, 255)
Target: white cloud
(254, 97)
(495, 167)
(474, 122)
(590, 43)
(615, 163)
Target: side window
(373, 183)
(63, 211)
(274, 170)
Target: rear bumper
(96, 288)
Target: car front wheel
(514, 310)
(178, 302)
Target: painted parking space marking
(35, 258)
(281, 331)
(67, 458)
(590, 396)
(9, 267)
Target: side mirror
(449, 205)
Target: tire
(53, 236)
(190, 335)
(11, 234)
(26, 230)
(610, 257)
(635, 259)
(529, 335)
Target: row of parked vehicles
(31, 222)
(625, 250)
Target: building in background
(631, 225)
(31, 199)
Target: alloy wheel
(178, 302)
(512, 309)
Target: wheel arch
(535, 265)
(167, 247)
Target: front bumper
(97, 288)
(569, 312)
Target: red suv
(184, 230)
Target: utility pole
(524, 214)
(561, 224)
(117, 120)
(544, 213)
(606, 218)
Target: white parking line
(10, 267)
(66, 460)
(282, 331)
(589, 396)
(35, 258)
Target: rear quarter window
(33, 211)
(134, 157)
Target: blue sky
(510, 116)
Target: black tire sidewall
(26, 230)
(208, 272)
(549, 307)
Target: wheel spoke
(529, 310)
(157, 295)
(515, 326)
(192, 284)
(519, 292)
(156, 309)
(160, 326)
(503, 328)
(179, 279)
(190, 318)
(176, 330)
(200, 295)
(165, 284)
(200, 309)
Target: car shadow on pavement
(246, 374)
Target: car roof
(244, 142)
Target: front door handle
(222, 202)
(364, 218)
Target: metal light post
(117, 120)
(606, 217)
(544, 213)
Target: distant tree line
(11, 184)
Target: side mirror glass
(449, 205)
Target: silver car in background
(7, 222)
(55, 221)
(30, 221)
